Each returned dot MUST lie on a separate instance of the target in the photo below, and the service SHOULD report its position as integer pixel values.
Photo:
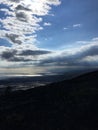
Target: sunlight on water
(14, 76)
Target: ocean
(20, 82)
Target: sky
(48, 36)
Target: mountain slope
(66, 105)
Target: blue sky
(70, 13)
(48, 36)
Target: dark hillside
(66, 105)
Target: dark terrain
(65, 105)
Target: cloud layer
(22, 56)
(85, 55)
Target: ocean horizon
(3, 76)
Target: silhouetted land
(65, 105)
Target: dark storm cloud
(34, 52)
(13, 38)
(72, 59)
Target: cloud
(65, 28)
(8, 54)
(34, 52)
(20, 22)
(72, 26)
(16, 1)
(13, 38)
(23, 18)
(77, 25)
(47, 24)
(20, 8)
(11, 55)
(84, 55)
(14, 55)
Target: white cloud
(77, 25)
(95, 39)
(65, 28)
(20, 23)
(72, 26)
(23, 18)
(90, 59)
(47, 24)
